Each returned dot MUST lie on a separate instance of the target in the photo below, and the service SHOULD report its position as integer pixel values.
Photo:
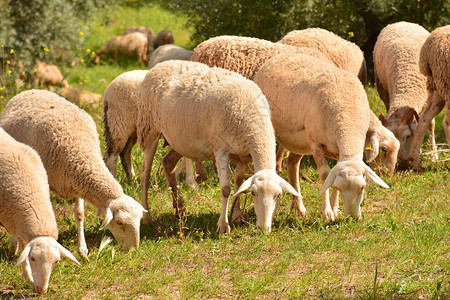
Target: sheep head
(403, 123)
(266, 187)
(123, 218)
(349, 177)
(384, 151)
(41, 254)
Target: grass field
(400, 249)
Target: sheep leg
(149, 154)
(26, 268)
(190, 176)
(279, 158)
(79, 217)
(434, 105)
(322, 165)
(169, 163)
(382, 92)
(201, 171)
(14, 245)
(239, 176)
(180, 167)
(225, 187)
(125, 157)
(432, 141)
(335, 202)
(446, 123)
(293, 165)
(111, 163)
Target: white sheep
(169, 52)
(309, 116)
(49, 76)
(243, 55)
(119, 120)
(435, 65)
(344, 54)
(232, 122)
(134, 43)
(26, 211)
(67, 141)
(399, 82)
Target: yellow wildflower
(46, 49)
(82, 61)
(1, 97)
(35, 70)
(9, 72)
(81, 33)
(8, 62)
(3, 46)
(11, 51)
(351, 34)
(88, 50)
(93, 53)
(23, 73)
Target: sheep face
(39, 257)
(386, 157)
(266, 187)
(123, 218)
(349, 177)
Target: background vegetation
(398, 250)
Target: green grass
(400, 249)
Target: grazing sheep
(145, 30)
(234, 124)
(134, 43)
(309, 116)
(434, 64)
(48, 76)
(399, 82)
(79, 96)
(162, 38)
(120, 117)
(26, 211)
(243, 55)
(169, 52)
(67, 141)
(344, 54)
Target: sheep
(79, 96)
(26, 211)
(145, 30)
(120, 117)
(309, 116)
(434, 64)
(134, 43)
(399, 82)
(232, 122)
(162, 38)
(67, 141)
(243, 55)
(169, 52)
(48, 76)
(344, 54)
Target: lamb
(145, 30)
(163, 37)
(67, 141)
(232, 122)
(344, 54)
(79, 96)
(243, 55)
(399, 82)
(120, 117)
(48, 76)
(26, 211)
(434, 64)
(134, 43)
(169, 52)
(309, 117)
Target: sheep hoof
(299, 208)
(328, 215)
(237, 217)
(83, 250)
(223, 228)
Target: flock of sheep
(232, 98)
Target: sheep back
(169, 52)
(25, 208)
(162, 38)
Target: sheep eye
(384, 149)
(119, 223)
(32, 259)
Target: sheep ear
(24, 254)
(285, 186)
(383, 120)
(66, 253)
(374, 151)
(245, 186)
(372, 176)
(108, 218)
(329, 181)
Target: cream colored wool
(134, 43)
(344, 54)
(169, 52)
(243, 55)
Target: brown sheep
(48, 76)
(164, 37)
(134, 43)
(145, 30)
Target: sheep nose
(40, 290)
